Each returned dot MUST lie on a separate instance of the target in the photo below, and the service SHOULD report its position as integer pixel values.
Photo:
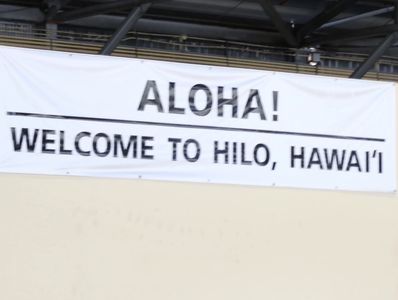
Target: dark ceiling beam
(396, 12)
(378, 52)
(124, 28)
(284, 28)
(368, 14)
(322, 18)
(53, 7)
(98, 9)
(354, 35)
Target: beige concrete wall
(82, 238)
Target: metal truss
(317, 32)
(129, 22)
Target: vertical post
(51, 31)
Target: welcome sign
(89, 115)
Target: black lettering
(334, 159)
(209, 100)
(95, 145)
(353, 162)
(197, 150)
(266, 156)
(243, 153)
(24, 138)
(224, 101)
(151, 86)
(254, 94)
(234, 153)
(172, 108)
(77, 143)
(275, 95)
(315, 159)
(118, 143)
(62, 149)
(367, 165)
(145, 147)
(46, 141)
(294, 156)
(175, 142)
(218, 152)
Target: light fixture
(183, 38)
(314, 57)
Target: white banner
(91, 115)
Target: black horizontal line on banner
(77, 118)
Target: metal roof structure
(330, 26)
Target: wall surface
(82, 238)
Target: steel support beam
(97, 10)
(128, 23)
(396, 12)
(359, 17)
(283, 27)
(53, 7)
(354, 35)
(374, 57)
(325, 16)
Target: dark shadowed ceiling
(330, 25)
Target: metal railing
(193, 50)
